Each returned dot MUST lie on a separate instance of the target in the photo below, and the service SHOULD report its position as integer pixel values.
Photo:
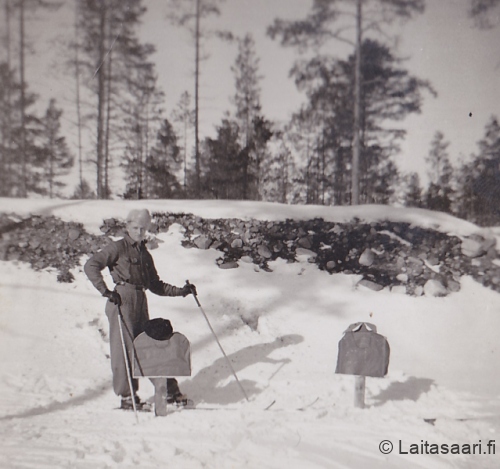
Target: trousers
(135, 315)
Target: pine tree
(279, 173)
(121, 76)
(254, 129)
(184, 115)
(479, 182)
(185, 13)
(56, 158)
(25, 151)
(163, 164)
(19, 151)
(413, 193)
(389, 94)
(247, 95)
(9, 96)
(83, 191)
(483, 13)
(223, 177)
(142, 108)
(439, 194)
(324, 24)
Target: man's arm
(157, 286)
(99, 261)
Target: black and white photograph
(250, 234)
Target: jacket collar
(133, 243)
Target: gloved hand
(187, 289)
(113, 296)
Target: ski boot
(179, 399)
(127, 404)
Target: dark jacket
(128, 262)
(363, 352)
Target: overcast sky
(442, 46)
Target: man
(133, 272)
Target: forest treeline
(340, 147)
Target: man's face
(137, 230)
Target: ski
(146, 408)
(189, 404)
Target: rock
(371, 285)
(305, 242)
(337, 229)
(305, 252)
(398, 289)
(495, 280)
(453, 286)
(35, 243)
(401, 264)
(471, 248)
(278, 246)
(237, 243)
(402, 278)
(330, 265)
(73, 234)
(414, 266)
(367, 258)
(264, 251)
(476, 245)
(432, 260)
(434, 287)
(419, 290)
(202, 242)
(216, 245)
(229, 265)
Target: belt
(131, 285)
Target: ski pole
(127, 365)
(218, 343)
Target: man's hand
(113, 296)
(188, 288)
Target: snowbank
(91, 213)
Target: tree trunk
(196, 104)
(145, 192)
(284, 186)
(101, 102)
(356, 150)
(185, 153)
(24, 175)
(108, 122)
(78, 105)
(323, 175)
(51, 164)
(6, 157)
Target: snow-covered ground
(281, 331)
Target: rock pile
(46, 242)
(385, 254)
